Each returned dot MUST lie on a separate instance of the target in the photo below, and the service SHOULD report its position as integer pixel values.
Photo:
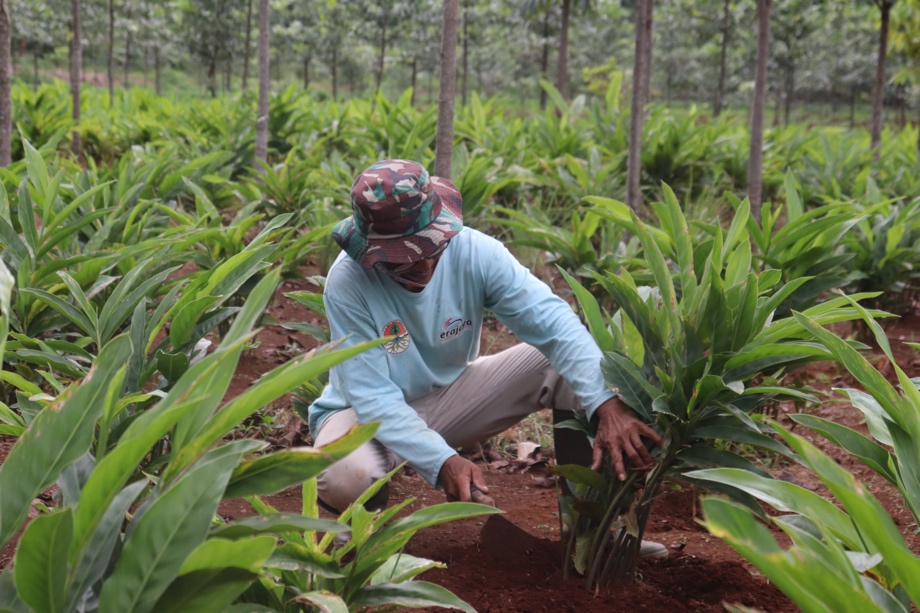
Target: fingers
(460, 477)
(597, 456)
(644, 457)
(630, 444)
(618, 466)
(638, 455)
(616, 455)
(649, 433)
(478, 481)
(460, 487)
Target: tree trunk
(669, 82)
(76, 64)
(647, 72)
(157, 72)
(466, 54)
(562, 77)
(723, 59)
(544, 63)
(247, 45)
(853, 100)
(228, 74)
(777, 106)
(6, 98)
(212, 74)
(790, 94)
(755, 161)
(306, 71)
(110, 68)
(414, 79)
(878, 91)
(444, 140)
(637, 110)
(383, 49)
(146, 64)
(124, 82)
(264, 84)
(479, 77)
(335, 84)
(35, 70)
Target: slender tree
(128, 41)
(76, 67)
(466, 50)
(544, 56)
(646, 74)
(264, 85)
(157, 68)
(637, 112)
(562, 73)
(247, 44)
(6, 104)
(444, 139)
(533, 8)
(878, 90)
(755, 161)
(336, 22)
(382, 23)
(723, 57)
(110, 68)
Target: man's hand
(457, 476)
(620, 433)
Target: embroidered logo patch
(398, 335)
(453, 327)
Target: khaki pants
(491, 395)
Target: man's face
(416, 275)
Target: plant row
(110, 293)
(549, 159)
(701, 344)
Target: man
(412, 272)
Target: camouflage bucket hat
(401, 214)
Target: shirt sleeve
(540, 318)
(365, 384)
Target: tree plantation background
(822, 52)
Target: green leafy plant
(885, 244)
(131, 535)
(585, 244)
(367, 568)
(840, 558)
(691, 364)
(83, 556)
(807, 245)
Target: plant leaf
(41, 561)
(414, 594)
(168, 531)
(58, 436)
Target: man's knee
(345, 481)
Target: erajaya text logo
(398, 337)
(453, 327)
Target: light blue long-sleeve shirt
(436, 336)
